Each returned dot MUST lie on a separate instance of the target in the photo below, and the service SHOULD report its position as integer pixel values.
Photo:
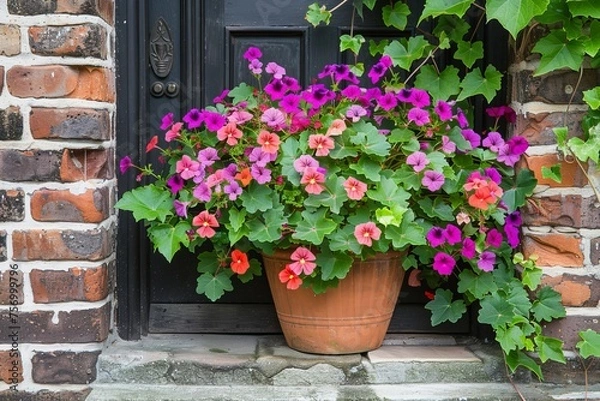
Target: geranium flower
(352, 92)
(180, 208)
(233, 190)
(418, 116)
(125, 164)
(202, 192)
(313, 180)
(493, 141)
(273, 117)
(418, 161)
(239, 117)
(512, 235)
(239, 262)
(317, 95)
(493, 238)
(208, 156)
(486, 261)
(471, 136)
(206, 224)
(175, 183)
(186, 167)
(275, 69)
(365, 233)
(244, 177)
(443, 263)
(355, 112)
(269, 142)
(262, 175)
(448, 146)
(461, 119)
(387, 101)
(290, 103)
(468, 248)
(255, 66)
(321, 143)
(355, 189)
(303, 261)
(252, 53)
(420, 98)
(482, 198)
(443, 110)
(214, 121)
(452, 234)
(463, 218)
(433, 180)
(405, 95)
(288, 276)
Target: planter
(351, 318)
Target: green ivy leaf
(476, 84)
(208, 262)
(442, 86)
(495, 311)
(550, 349)
(409, 232)
(524, 186)
(444, 309)
(468, 53)
(352, 43)
(592, 98)
(514, 15)
(396, 15)
(369, 140)
(548, 306)
(592, 41)
(558, 52)
(453, 26)
(403, 56)
(377, 47)
(214, 286)
(333, 197)
(334, 265)
(584, 8)
(148, 203)
(589, 344)
(552, 172)
(317, 14)
(167, 239)
(589, 149)
(510, 338)
(476, 284)
(313, 227)
(435, 8)
(242, 93)
(257, 197)
(389, 193)
(514, 359)
(531, 277)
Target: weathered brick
(64, 367)
(92, 206)
(85, 164)
(571, 174)
(11, 123)
(12, 205)
(555, 87)
(85, 40)
(537, 128)
(3, 255)
(77, 284)
(101, 8)
(554, 249)
(11, 287)
(571, 372)
(44, 395)
(562, 210)
(1, 79)
(71, 123)
(29, 165)
(10, 40)
(77, 326)
(576, 290)
(569, 327)
(92, 245)
(11, 367)
(595, 251)
(54, 81)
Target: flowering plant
(337, 171)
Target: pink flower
(443, 263)
(418, 116)
(303, 261)
(313, 180)
(433, 180)
(321, 143)
(365, 233)
(229, 133)
(252, 53)
(166, 121)
(269, 142)
(275, 69)
(486, 261)
(468, 248)
(206, 223)
(304, 162)
(239, 117)
(173, 132)
(336, 128)
(186, 167)
(355, 189)
(463, 218)
(418, 161)
(273, 117)
(443, 110)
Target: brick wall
(57, 184)
(563, 223)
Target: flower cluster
(333, 171)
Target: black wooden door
(192, 51)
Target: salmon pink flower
(313, 179)
(336, 128)
(321, 143)
(269, 142)
(365, 233)
(239, 262)
(288, 276)
(229, 133)
(303, 261)
(355, 189)
(173, 132)
(206, 224)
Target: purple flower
(317, 95)
(443, 110)
(208, 156)
(493, 141)
(202, 192)
(193, 118)
(486, 261)
(166, 121)
(304, 162)
(290, 103)
(433, 180)
(125, 164)
(372, 94)
(273, 117)
(233, 189)
(352, 92)
(518, 145)
(275, 69)
(418, 161)
(493, 175)
(221, 97)
(405, 95)
(377, 72)
(493, 238)
(252, 53)
(468, 248)
(262, 175)
(214, 121)
(355, 112)
(418, 116)
(448, 146)
(276, 89)
(420, 98)
(443, 263)
(512, 235)
(259, 157)
(506, 156)
(175, 183)
(180, 208)
(462, 119)
(291, 84)
(514, 219)
(255, 66)
(471, 136)
(435, 237)
(387, 101)
(452, 234)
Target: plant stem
(338, 6)
(412, 74)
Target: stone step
(376, 392)
(219, 360)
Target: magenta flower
(365, 233)
(493, 175)
(221, 97)
(275, 69)
(493, 238)
(252, 53)
(304, 162)
(418, 161)
(355, 112)
(462, 119)
(214, 121)
(486, 261)
(290, 103)
(276, 89)
(303, 261)
(420, 98)
(193, 118)
(452, 234)
(433, 180)
(443, 110)
(125, 164)
(506, 155)
(405, 95)
(514, 219)
(352, 92)
(493, 141)
(387, 101)
(255, 66)
(273, 117)
(518, 145)
(180, 208)
(471, 136)
(166, 121)
(377, 72)
(435, 237)
(317, 95)
(512, 235)
(443, 263)
(468, 248)
(175, 183)
(418, 116)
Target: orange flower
(244, 176)
(239, 262)
(288, 276)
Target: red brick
(76, 326)
(571, 174)
(85, 164)
(576, 290)
(562, 210)
(11, 367)
(537, 128)
(101, 8)
(92, 245)
(55, 81)
(11, 122)
(10, 40)
(29, 165)
(11, 286)
(85, 40)
(70, 123)
(77, 284)
(92, 206)
(568, 328)
(554, 249)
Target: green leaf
(468, 53)
(148, 203)
(435, 8)
(267, 229)
(592, 41)
(377, 47)
(389, 193)
(562, 134)
(390, 216)
(552, 172)
(589, 344)
(584, 8)
(313, 227)
(369, 140)
(558, 52)
(317, 14)
(352, 43)
(368, 167)
(396, 15)
(476, 284)
(214, 286)
(550, 349)
(477, 84)
(518, 358)
(344, 240)
(442, 86)
(495, 311)
(510, 338)
(437, 209)
(168, 239)
(334, 265)
(237, 218)
(444, 309)
(208, 262)
(531, 278)
(514, 15)
(403, 56)
(592, 98)
(333, 197)
(409, 232)
(453, 26)
(548, 306)
(241, 93)
(589, 149)
(524, 186)
(257, 197)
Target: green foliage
(148, 203)
(589, 344)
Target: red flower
(152, 143)
(288, 276)
(239, 262)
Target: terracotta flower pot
(351, 318)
